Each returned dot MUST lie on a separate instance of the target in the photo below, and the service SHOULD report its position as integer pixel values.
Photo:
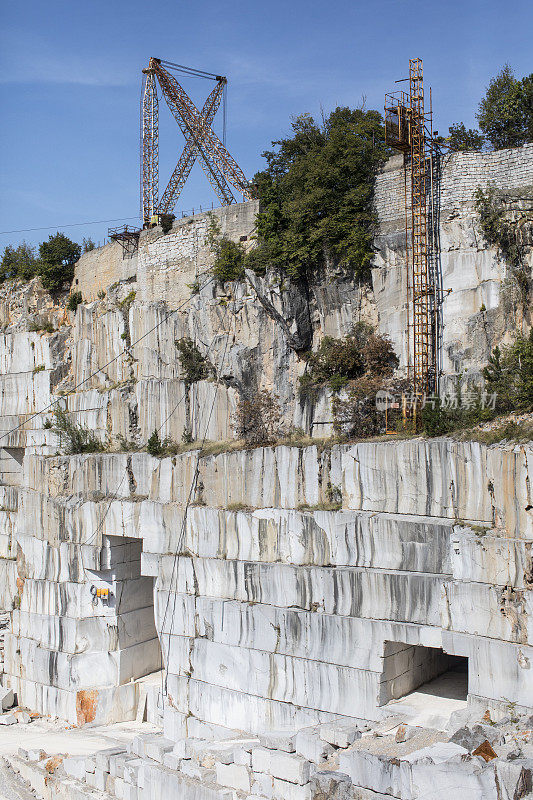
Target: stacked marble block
(276, 615)
(84, 629)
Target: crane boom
(220, 167)
(189, 155)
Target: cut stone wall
(164, 264)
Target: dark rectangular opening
(407, 668)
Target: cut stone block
(278, 740)
(75, 767)
(309, 745)
(156, 749)
(328, 784)
(7, 698)
(283, 790)
(100, 779)
(172, 761)
(234, 776)
(282, 765)
(117, 763)
(103, 756)
(263, 784)
(339, 733)
(131, 770)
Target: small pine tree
(154, 445)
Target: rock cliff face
(278, 587)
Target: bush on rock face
(194, 366)
(339, 361)
(316, 195)
(74, 438)
(258, 418)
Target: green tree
(316, 195)
(461, 138)
(505, 114)
(509, 374)
(58, 256)
(18, 262)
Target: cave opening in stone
(427, 671)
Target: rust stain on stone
(86, 700)
(53, 763)
(485, 751)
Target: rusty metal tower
(409, 128)
(201, 142)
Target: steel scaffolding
(406, 129)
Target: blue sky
(70, 80)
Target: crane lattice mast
(201, 142)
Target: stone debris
(382, 765)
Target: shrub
(19, 262)
(356, 414)
(194, 366)
(154, 445)
(505, 114)
(502, 235)
(87, 245)
(40, 327)
(337, 361)
(74, 301)
(74, 438)
(128, 301)
(258, 418)
(316, 195)
(509, 374)
(229, 255)
(460, 138)
(166, 220)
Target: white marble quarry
(285, 630)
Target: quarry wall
(481, 304)
(273, 615)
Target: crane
(201, 142)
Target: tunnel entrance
(431, 671)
